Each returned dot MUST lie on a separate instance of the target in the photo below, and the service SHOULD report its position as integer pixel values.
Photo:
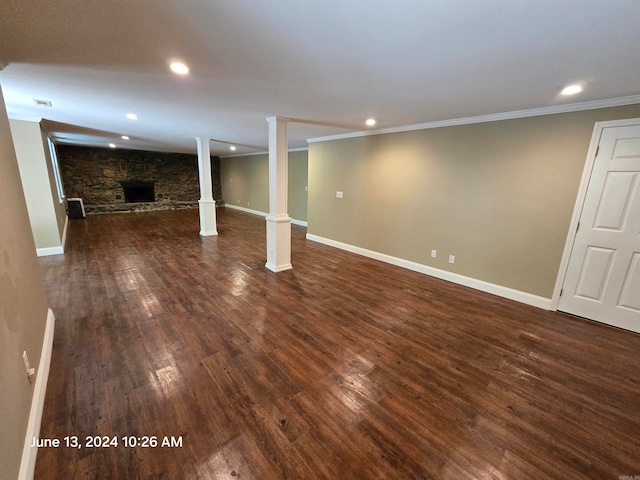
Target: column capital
(277, 119)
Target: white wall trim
(28, 463)
(266, 152)
(247, 210)
(580, 197)
(302, 223)
(532, 112)
(481, 285)
(64, 232)
(44, 252)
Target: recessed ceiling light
(124, 137)
(179, 68)
(572, 89)
(370, 122)
(112, 145)
(232, 148)
(132, 116)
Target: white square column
(206, 203)
(278, 221)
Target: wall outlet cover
(25, 359)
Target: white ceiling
(331, 63)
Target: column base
(278, 243)
(207, 217)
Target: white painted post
(206, 203)
(278, 220)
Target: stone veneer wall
(94, 174)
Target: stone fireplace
(122, 180)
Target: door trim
(582, 193)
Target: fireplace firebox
(138, 191)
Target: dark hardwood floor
(342, 368)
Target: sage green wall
(298, 179)
(23, 307)
(497, 195)
(245, 183)
(36, 173)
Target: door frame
(580, 198)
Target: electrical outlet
(452, 259)
(306, 189)
(339, 194)
(433, 253)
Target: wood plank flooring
(342, 368)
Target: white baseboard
(247, 210)
(29, 453)
(481, 285)
(302, 223)
(44, 252)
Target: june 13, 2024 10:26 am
(106, 441)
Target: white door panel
(603, 276)
(615, 200)
(596, 268)
(630, 296)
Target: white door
(603, 275)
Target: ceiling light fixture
(370, 122)
(132, 116)
(572, 89)
(124, 137)
(232, 148)
(179, 68)
(112, 145)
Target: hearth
(138, 191)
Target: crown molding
(265, 152)
(494, 117)
(299, 149)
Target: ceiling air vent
(42, 103)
